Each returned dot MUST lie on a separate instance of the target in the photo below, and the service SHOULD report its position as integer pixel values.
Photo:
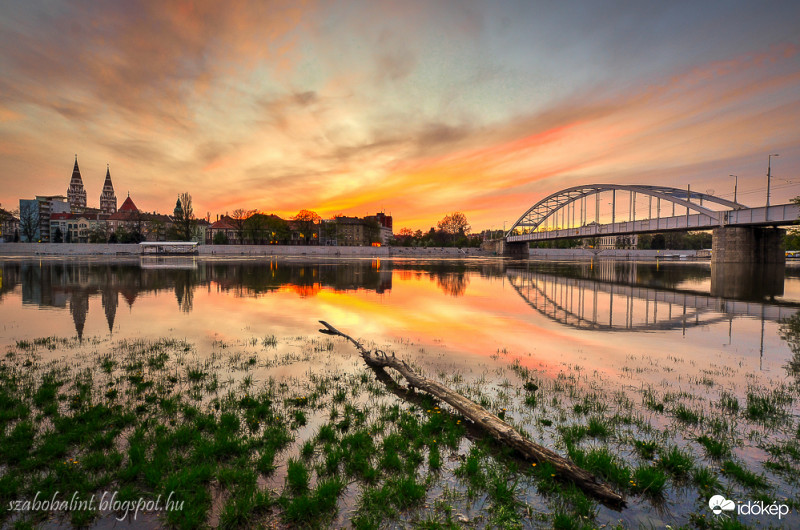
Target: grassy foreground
(252, 434)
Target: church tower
(108, 201)
(75, 193)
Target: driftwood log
(497, 428)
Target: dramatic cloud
(415, 107)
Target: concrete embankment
(579, 253)
(92, 249)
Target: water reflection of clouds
(471, 310)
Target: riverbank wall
(583, 254)
(99, 249)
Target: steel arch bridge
(605, 305)
(534, 218)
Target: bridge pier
(747, 281)
(501, 247)
(748, 244)
(516, 250)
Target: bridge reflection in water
(609, 296)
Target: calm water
(670, 326)
(552, 313)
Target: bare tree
(185, 222)
(454, 225)
(29, 220)
(238, 218)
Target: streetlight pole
(735, 186)
(769, 175)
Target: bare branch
(496, 427)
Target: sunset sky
(413, 108)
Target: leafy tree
(330, 229)
(695, 240)
(790, 332)
(675, 241)
(99, 233)
(593, 242)
(115, 235)
(409, 238)
(659, 242)
(255, 228)
(792, 240)
(58, 236)
(136, 228)
(154, 228)
(278, 230)
(306, 220)
(623, 242)
(220, 238)
(644, 242)
(128, 233)
(373, 231)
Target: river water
(554, 312)
(633, 325)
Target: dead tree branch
(497, 428)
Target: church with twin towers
(76, 193)
(69, 219)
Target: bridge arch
(542, 210)
(586, 303)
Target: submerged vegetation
(268, 432)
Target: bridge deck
(778, 215)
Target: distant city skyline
(418, 109)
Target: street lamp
(769, 175)
(735, 185)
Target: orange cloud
(279, 106)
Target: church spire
(75, 193)
(108, 200)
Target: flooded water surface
(626, 367)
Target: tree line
(306, 227)
(659, 241)
(452, 230)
